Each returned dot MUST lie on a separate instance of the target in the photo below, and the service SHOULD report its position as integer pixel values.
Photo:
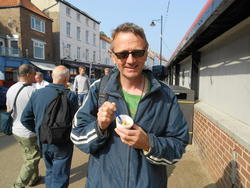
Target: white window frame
(2, 47)
(40, 44)
(94, 39)
(87, 21)
(37, 24)
(94, 56)
(87, 54)
(87, 36)
(78, 53)
(78, 17)
(68, 11)
(68, 25)
(78, 33)
(68, 46)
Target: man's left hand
(135, 137)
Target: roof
(105, 38)
(22, 3)
(216, 17)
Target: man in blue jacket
(136, 157)
(57, 158)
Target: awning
(44, 66)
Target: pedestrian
(92, 78)
(106, 71)
(40, 82)
(57, 157)
(29, 173)
(81, 84)
(135, 157)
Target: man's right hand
(105, 114)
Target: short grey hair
(25, 69)
(60, 74)
(129, 27)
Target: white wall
(185, 72)
(105, 57)
(72, 40)
(225, 73)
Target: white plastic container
(127, 122)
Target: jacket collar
(57, 86)
(113, 86)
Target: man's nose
(130, 59)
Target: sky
(178, 16)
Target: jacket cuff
(101, 134)
(149, 152)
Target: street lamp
(153, 24)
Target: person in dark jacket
(136, 157)
(57, 158)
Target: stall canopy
(43, 66)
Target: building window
(94, 25)
(78, 52)
(13, 47)
(87, 55)
(78, 33)
(68, 11)
(38, 49)
(94, 56)
(103, 44)
(2, 47)
(68, 29)
(94, 39)
(68, 50)
(37, 25)
(87, 37)
(78, 17)
(87, 21)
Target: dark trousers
(58, 163)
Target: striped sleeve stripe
(91, 135)
(161, 161)
(77, 142)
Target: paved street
(188, 173)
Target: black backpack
(57, 121)
(102, 95)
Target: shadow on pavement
(170, 169)
(78, 173)
(6, 141)
(229, 178)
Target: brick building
(213, 59)
(25, 36)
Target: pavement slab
(189, 172)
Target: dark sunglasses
(125, 54)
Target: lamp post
(153, 24)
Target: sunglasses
(125, 54)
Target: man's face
(130, 67)
(38, 79)
(31, 77)
(81, 71)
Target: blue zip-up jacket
(34, 111)
(114, 164)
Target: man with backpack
(49, 114)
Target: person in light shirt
(29, 172)
(40, 82)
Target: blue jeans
(57, 160)
(81, 97)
